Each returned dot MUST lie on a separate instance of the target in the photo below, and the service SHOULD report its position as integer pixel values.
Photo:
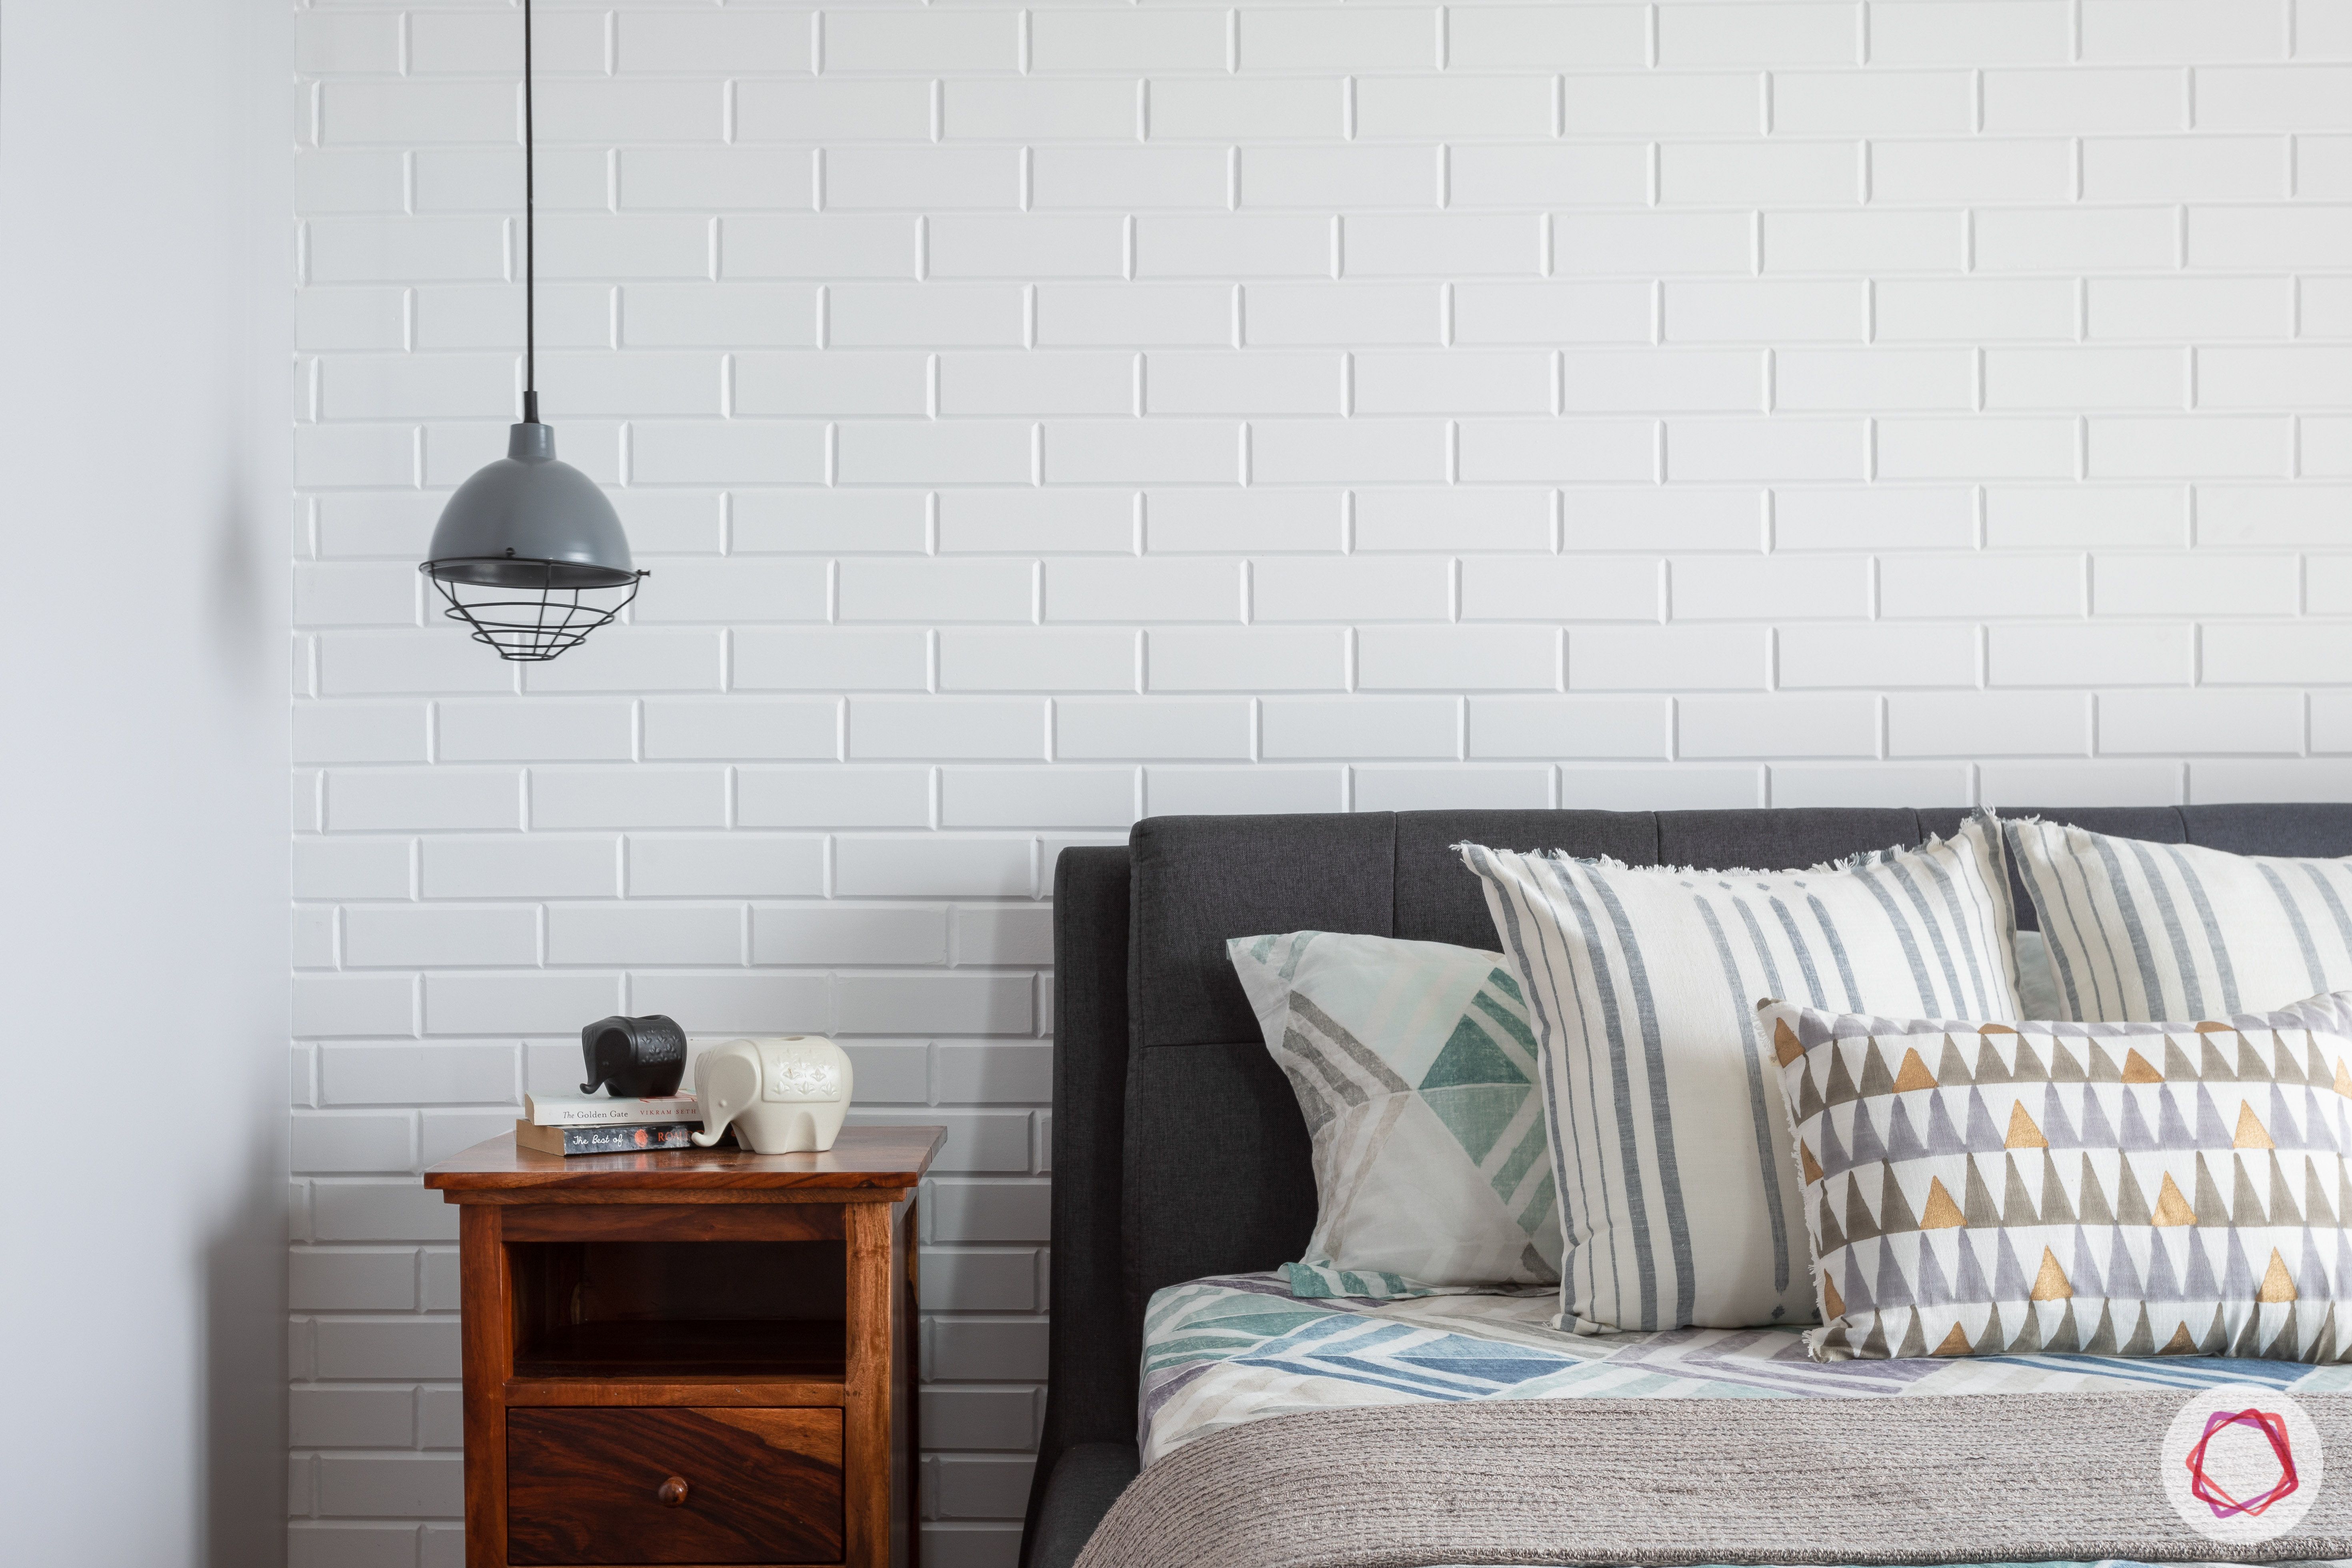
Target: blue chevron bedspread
(1223, 1352)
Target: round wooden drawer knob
(673, 1492)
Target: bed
(1181, 1172)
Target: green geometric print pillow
(1415, 1068)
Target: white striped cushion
(2140, 932)
(1670, 1141)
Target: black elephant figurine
(634, 1057)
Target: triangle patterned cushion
(2054, 1188)
(1663, 1107)
(1415, 1070)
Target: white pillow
(1415, 1070)
(1663, 1103)
(2140, 931)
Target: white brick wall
(1036, 418)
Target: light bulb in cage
(529, 553)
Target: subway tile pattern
(1036, 419)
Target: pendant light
(523, 541)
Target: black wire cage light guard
(554, 618)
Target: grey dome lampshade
(529, 553)
(524, 547)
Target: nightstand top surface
(862, 1158)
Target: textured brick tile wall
(1036, 419)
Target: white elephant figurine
(784, 1094)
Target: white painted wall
(143, 497)
(1039, 417)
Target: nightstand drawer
(699, 1486)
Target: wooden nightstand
(690, 1358)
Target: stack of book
(600, 1124)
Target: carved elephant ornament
(782, 1094)
(632, 1059)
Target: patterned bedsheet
(1220, 1351)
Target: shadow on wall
(239, 628)
(244, 1285)
(243, 1396)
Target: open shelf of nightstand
(660, 1312)
(732, 1349)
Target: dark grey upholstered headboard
(1178, 1147)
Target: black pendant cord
(529, 240)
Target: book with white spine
(604, 1111)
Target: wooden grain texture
(486, 1360)
(761, 1486)
(638, 1392)
(674, 1222)
(867, 1418)
(696, 1289)
(604, 1197)
(906, 1450)
(862, 1158)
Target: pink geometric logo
(2242, 1463)
(2272, 1424)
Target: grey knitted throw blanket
(1976, 1478)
